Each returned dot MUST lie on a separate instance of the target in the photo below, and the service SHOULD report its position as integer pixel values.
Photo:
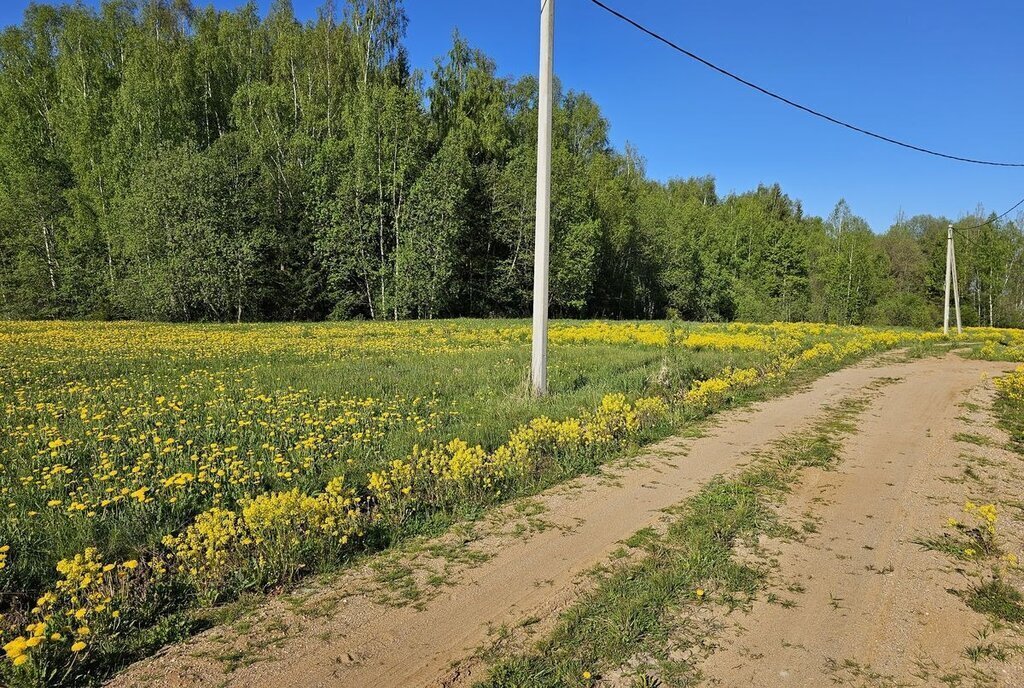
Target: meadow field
(151, 471)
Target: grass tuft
(998, 599)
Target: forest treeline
(160, 160)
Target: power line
(966, 237)
(816, 113)
(787, 101)
(992, 220)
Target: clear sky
(942, 74)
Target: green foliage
(998, 599)
(163, 161)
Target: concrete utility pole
(539, 367)
(951, 278)
(956, 287)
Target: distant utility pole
(539, 368)
(951, 277)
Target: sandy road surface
(874, 607)
(360, 642)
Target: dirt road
(528, 561)
(875, 607)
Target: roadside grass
(993, 344)
(964, 541)
(470, 379)
(630, 623)
(972, 438)
(998, 599)
(979, 543)
(966, 545)
(1010, 415)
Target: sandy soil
(873, 607)
(528, 560)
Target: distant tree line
(163, 161)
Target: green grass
(958, 544)
(1011, 419)
(998, 599)
(479, 393)
(972, 438)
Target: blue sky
(940, 74)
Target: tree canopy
(164, 161)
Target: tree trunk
(51, 261)
(991, 317)
(849, 290)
